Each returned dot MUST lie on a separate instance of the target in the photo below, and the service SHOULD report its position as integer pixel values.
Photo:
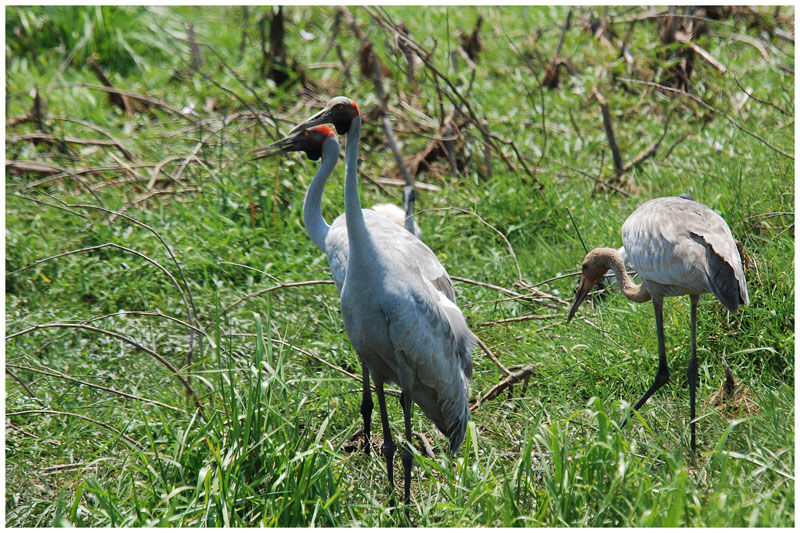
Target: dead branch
(26, 433)
(454, 95)
(755, 43)
(153, 194)
(76, 415)
(702, 52)
(127, 153)
(760, 101)
(647, 152)
(438, 147)
(54, 373)
(522, 318)
(186, 302)
(507, 382)
(23, 385)
(41, 202)
(492, 356)
(784, 34)
(25, 167)
(676, 143)
(400, 183)
(157, 169)
(147, 100)
(190, 310)
(126, 340)
(195, 51)
(551, 71)
(505, 239)
(280, 285)
(118, 99)
(612, 140)
(712, 109)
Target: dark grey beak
(323, 117)
(583, 289)
(278, 147)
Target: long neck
(615, 262)
(357, 233)
(316, 227)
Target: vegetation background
(171, 360)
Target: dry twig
(712, 109)
(507, 382)
(126, 340)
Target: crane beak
(278, 147)
(323, 117)
(583, 289)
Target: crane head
(593, 269)
(340, 112)
(309, 141)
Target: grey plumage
(678, 247)
(398, 307)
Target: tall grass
(99, 432)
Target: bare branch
(124, 339)
(712, 109)
(54, 373)
(280, 285)
(507, 382)
(76, 415)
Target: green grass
(269, 446)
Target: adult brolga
(399, 311)
(678, 247)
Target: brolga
(397, 301)
(678, 247)
(399, 312)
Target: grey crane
(398, 305)
(678, 247)
(332, 239)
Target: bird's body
(408, 332)
(337, 247)
(681, 247)
(398, 304)
(332, 240)
(396, 215)
(678, 247)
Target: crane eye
(340, 106)
(305, 133)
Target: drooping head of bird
(595, 265)
(340, 112)
(309, 141)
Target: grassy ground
(99, 432)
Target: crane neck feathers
(316, 227)
(357, 234)
(599, 260)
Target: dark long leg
(407, 456)
(388, 444)
(662, 374)
(366, 407)
(692, 370)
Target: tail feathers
(725, 284)
(458, 430)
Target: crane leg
(407, 456)
(692, 370)
(366, 407)
(388, 447)
(662, 374)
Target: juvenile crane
(678, 247)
